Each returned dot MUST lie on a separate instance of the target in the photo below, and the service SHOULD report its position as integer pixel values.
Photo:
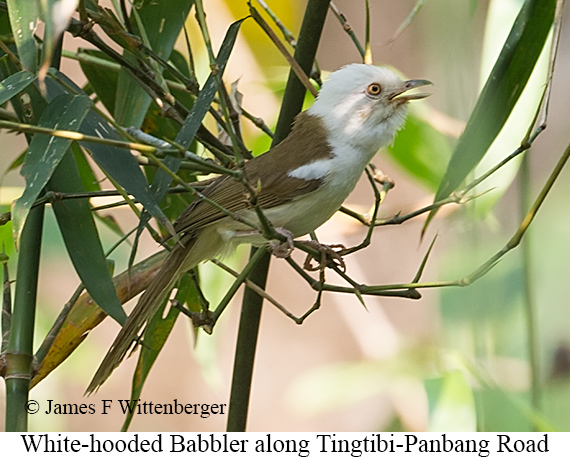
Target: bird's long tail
(174, 265)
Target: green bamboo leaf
(65, 112)
(199, 110)
(57, 15)
(24, 16)
(194, 119)
(121, 166)
(82, 239)
(157, 330)
(192, 122)
(179, 62)
(206, 97)
(5, 28)
(500, 93)
(451, 403)
(421, 150)
(28, 109)
(90, 183)
(103, 80)
(14, 84)
(119, 163)
(160, 24)
(500, 16)
(44, 166)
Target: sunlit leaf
(499, 16)
(502, 90)
(24, 16)
(421, 150)
(86, 315)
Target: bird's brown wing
(231, 195)
(274, 188)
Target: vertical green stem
(19, 353)
(529, 302)
(309, 36)
(246, 345)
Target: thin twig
(277, 42)
(258, 290)
(347, 28)
(284, 30)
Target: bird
(301, 182)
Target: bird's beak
(401, 96)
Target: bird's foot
(329, 256)
(204, 318)
(381, 178)
(282, 249)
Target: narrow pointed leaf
(91, 184)
(81, 239)
(421, 150)
(24, 16)
(65, 112)
(103, 80)
(15, 84)
(57, 14)
(500, 93)
(199, 110)
(86, 315)
(119, 163)
(162, 21)
(193, 121)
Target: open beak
(401, 95)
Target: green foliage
(65, 112)
(14, 84)
(23, 20)
(421, 150)
(502, 90)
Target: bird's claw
(282, 249)
(329, 257)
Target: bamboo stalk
(19, 353)
(305, 52)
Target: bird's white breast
(339, 175)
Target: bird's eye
(374, 89)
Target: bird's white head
(364, 106)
